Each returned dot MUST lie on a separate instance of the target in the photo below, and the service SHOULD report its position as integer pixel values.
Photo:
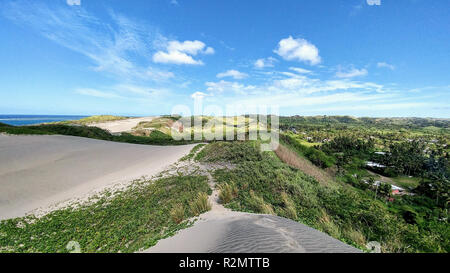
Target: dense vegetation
(130, 220)
(264, 184)
(409, 152)
(391, 123)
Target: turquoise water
(18, 120)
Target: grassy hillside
(132, 219)
(264, 184)
(92, 119)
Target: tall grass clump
(227, 192)
(177, 213)
(289, 206)
(258, 204)
(201, 204)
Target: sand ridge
(40, 171)
(119, 126)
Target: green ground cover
(264, 184)
(132, 219)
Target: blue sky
(341, 57)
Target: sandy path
(121, 125)
(224, 231)
(39, 171)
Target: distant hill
(376, 122)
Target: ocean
(18, 120)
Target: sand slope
(237, 232)
(119, 126)
(38, 171)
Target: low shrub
(177, 213)
(201, 204)
(227, 192)
(234, 152)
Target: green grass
(317, 157)
(5, 125)
(61, 129)
(267, 185)
(227, 192)
(406, 182)
(192, 152)
(155, 137)
(229, 152)
(162, 124)
(133, 219)
(93, 119)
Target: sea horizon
(18, 120)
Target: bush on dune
(201, 204)
(177, 213)
(227, 192)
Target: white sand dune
(39, 171)
(119, 126)
(238, 232)
(224, 231)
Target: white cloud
(351, 73)
(124, 91)
(198, 95)
(298, 50)
(182, 52)
(138, 90)
(385, 65)
(175, 57)
(159, 75)
(96, 93)
(292, 83)
(264, 62)
(347, 99)
(226, 86)
(111, 48)
(232, 73)
(189, 47)
(209, 50)
(73, 2)
(300, 70)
